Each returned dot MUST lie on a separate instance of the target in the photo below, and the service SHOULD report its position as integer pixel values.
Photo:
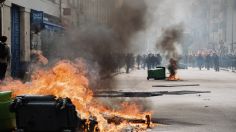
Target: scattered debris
(187, 85)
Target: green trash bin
(158, 74)
(7, 119)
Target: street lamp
(60, 10)
(232, 46)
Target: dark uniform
(216, 62)
(4, 57)
(200, 60)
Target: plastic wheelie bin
(158, 74)
(7, 119)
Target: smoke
(162, 14)
(129, 19)
(170, 41)
(102, 46)
(133, 26)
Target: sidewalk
(229, 70)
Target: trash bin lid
(5, 96)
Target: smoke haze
(102, 46)
(170, 41)
(136, 26)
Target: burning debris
(173, 70)
(65, 80)
(169, 43)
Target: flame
(173, 78)
(68, 80)
(173, 70)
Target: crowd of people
(145, 61)
(228, 61)
(210, 60)
(113, 63)
(130, 61)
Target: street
(118, 65)
(207, 112)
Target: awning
(52, 26)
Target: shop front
(15, 41)
(51, 35)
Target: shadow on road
(144, 94)
(165, 121)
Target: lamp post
(60, 10)
(232, 45)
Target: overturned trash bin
(158, 74)
(44, 114)
(7, 119)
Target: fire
(173, 78)
(173, 70)
(68, 80)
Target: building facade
(23, 21)
(231, 26)
(222, 25)
(97, 11)
(94, 11)
(216, 23)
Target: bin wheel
(147, 78)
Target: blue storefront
(15, 41)
(38, 22)
(44, 30)
(36, 27)
(41, 25)
(52, 27)
(52, 32)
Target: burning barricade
(47, 113)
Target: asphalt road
(204, 112)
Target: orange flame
(67, 80)
(173, 78)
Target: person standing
(149, 61)
(144, 61)
(4, 57)
(208, 61)
(200, 60)
(138, 61)
(128, 62)
(216, 62)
